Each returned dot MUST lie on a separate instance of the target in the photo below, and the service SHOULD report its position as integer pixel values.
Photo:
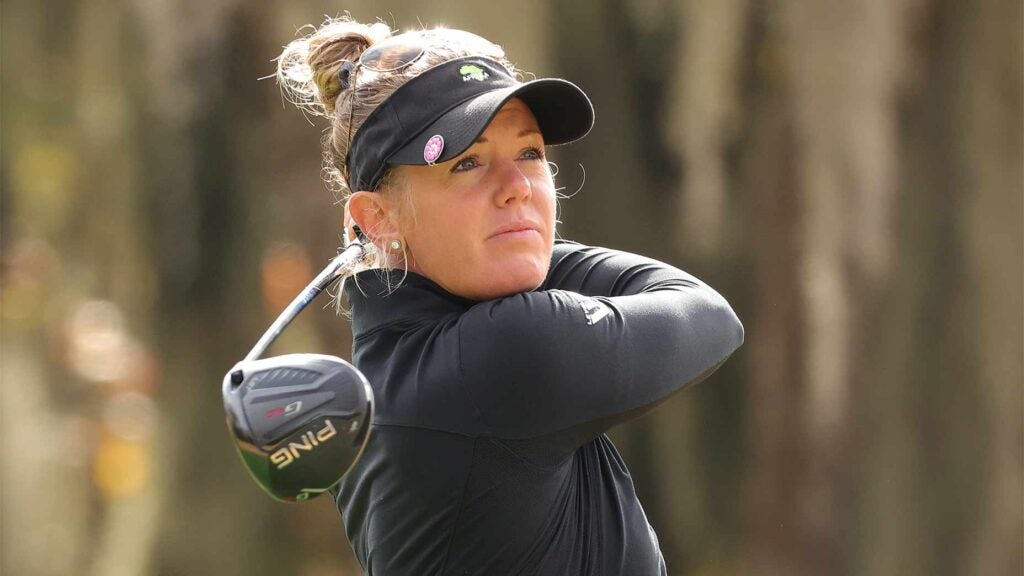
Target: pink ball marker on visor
(432, 151)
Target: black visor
(439, 114)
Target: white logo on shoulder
(594, 310)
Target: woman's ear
(374, 216)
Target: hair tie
(345, 73)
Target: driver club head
(299, 421)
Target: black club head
(299, 421)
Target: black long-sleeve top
(487, 454)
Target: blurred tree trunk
(855, 464)
(74, 273)
(195, 86)
(991, 151)
(927, 489)
(840, 184)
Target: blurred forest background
(848, 173)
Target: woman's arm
(607, 337)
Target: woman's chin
(511, 278)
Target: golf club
(299, 421)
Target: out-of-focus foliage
(848, 174)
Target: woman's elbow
(726, 326)
(735, 328)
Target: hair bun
(308, 69)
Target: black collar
(416, 299)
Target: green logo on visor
(472, 72)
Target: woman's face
(482, 225)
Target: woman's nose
(513, 184)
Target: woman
(498, 356)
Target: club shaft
(341, 264)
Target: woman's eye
(467, 163)
(532, 154)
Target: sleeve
(607, 337)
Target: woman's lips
(517, 230)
